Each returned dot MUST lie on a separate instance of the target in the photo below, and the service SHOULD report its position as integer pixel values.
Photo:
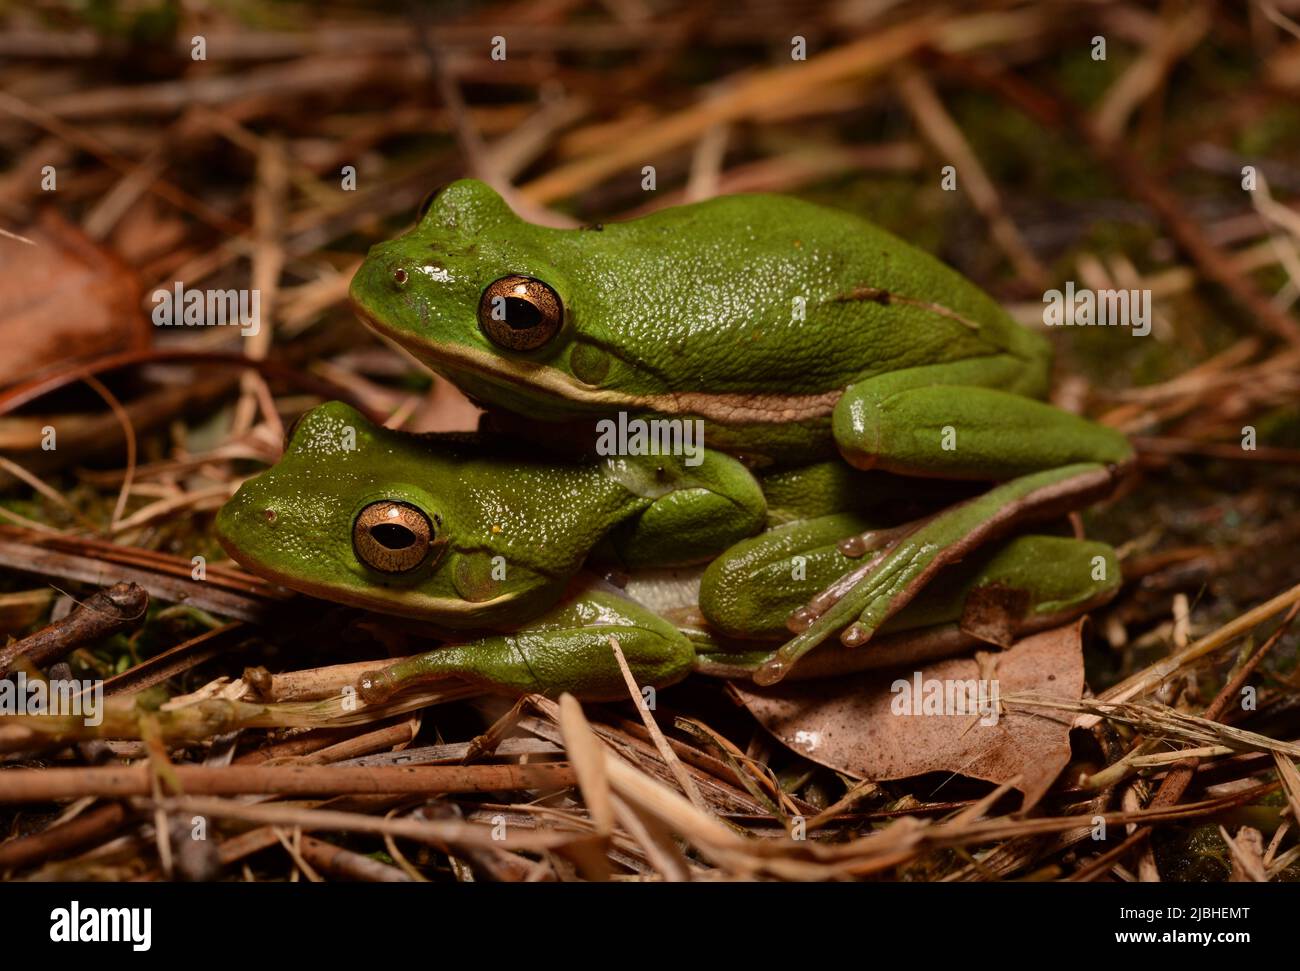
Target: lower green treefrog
(478, 539)
(792, 331)
(472, 533)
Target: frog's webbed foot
(861, 601)
(878, 542)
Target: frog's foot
(994, 596)
(862, 600)
(566, 650)
(876, 541)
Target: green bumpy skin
(754, 313)
(510, 531)
(822, 488)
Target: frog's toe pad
(855, 635)
(376, 687)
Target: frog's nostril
(269, 515)
(400, 277)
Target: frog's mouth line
(727, 408)
(416, 605)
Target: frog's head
(476, 293)
(366, 516)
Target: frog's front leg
(946, 421)
(694, 512)
(905, 422)
(567, 649)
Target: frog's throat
(728, 408)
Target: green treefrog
(474, 534)
(474, 537)
(792, 331)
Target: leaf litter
(224, 698)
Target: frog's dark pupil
(391, 536)
(522, 314)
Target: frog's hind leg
(861, 601)
(1005, 591)
(927, 422)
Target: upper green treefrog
(790, 329)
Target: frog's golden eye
(520, 313)
(393, 537)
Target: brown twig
(13, 398)
(42, 785)
(62, 837)
(102, 614)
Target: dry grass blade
(939, 129)
(1290, 776)
(1247, 855)
(1147, 680)
(434, 832)
(1153, 718)
(587, 754)
(780, 85)
(665, 750)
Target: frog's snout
(361, 287)
(242, 515)
(386, 272)
(381, 287)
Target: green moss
(1084, 80)
(1191, 854)
(1275, 132)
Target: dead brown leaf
(861, 725)
(63, 299)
